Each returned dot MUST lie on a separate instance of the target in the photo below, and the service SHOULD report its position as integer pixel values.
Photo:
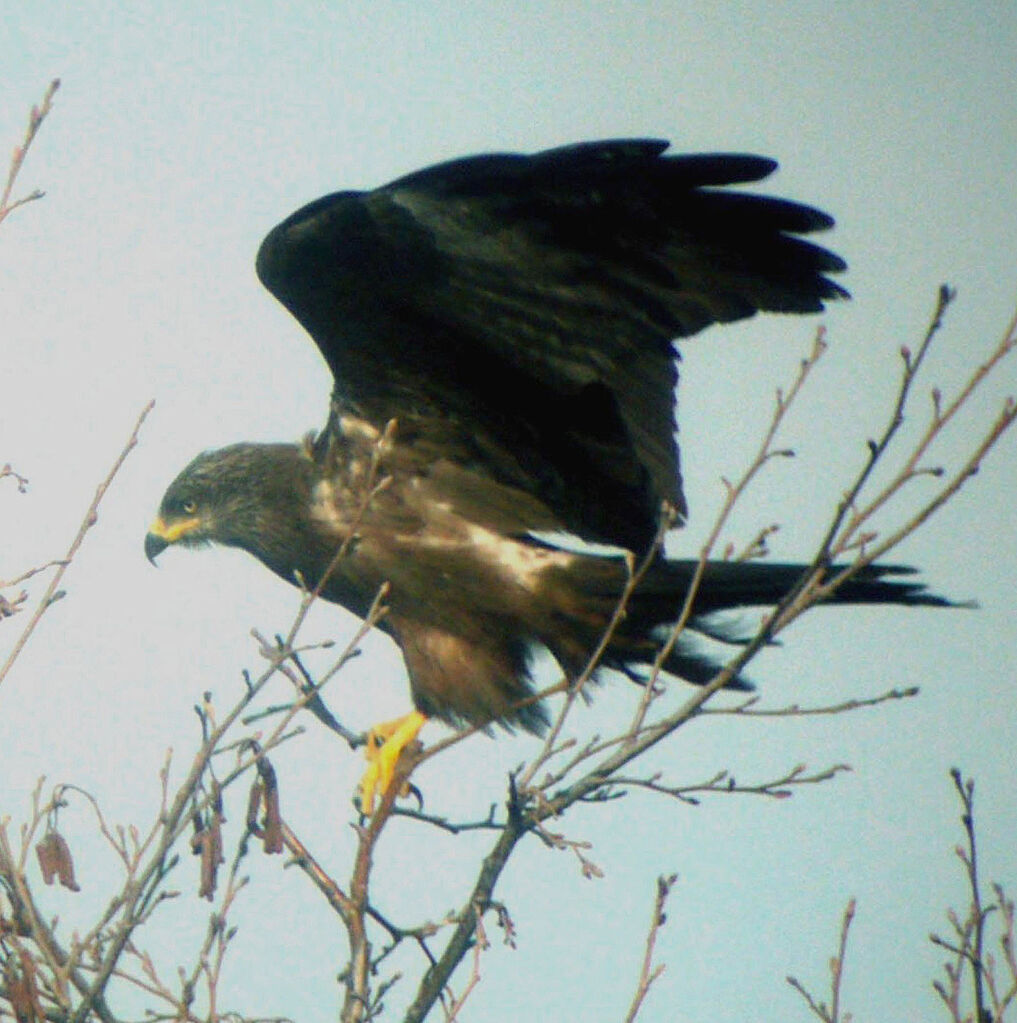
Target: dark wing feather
(519, 311)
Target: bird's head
(242, 496)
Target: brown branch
(489, 823)
(849, 530)
(147, 858)
(831, 1013)
(11, 606)
(532, 805)
(807, 594)
(25, 576)
(91, 516)
(61, 963)
(877, 448)
(528, 808)
(436, 978)
(635, 575)
(6, 471)
(757, 547)
(309, 690)
(35, 119)
(480, 945)
(104, 946)
(322, 880)
(969, 949)
(940, 419)
(638, 737)
(966, 791)
(766, 452)
(724, 782)
(131, 905)
(649, 973)
(749, 709)
(1001, 1000)
(374, 484)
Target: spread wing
(516, 313)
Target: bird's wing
(519, 310)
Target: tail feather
(732, 584)
(724, 586)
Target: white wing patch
(519, 563)
(324, 508)
(577, 545)
(523, 563)
(359, 429)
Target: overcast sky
(184, 131)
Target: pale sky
(182, 133)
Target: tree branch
(91, 517)
(35, 119)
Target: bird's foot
(385, 745)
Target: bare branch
(831, 1013)
(91, 517)
(35, 118)
(992, 990)
(724, 782)
(602, 761)
(649, 973)
(564, 771)
(750, 709)
(22, 481)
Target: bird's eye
(190, 507)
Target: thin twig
(831, 1013)
(91, 516)
(969, 950)
(724, 782)
(648, 972)
(528, 807)
(35, 119)
(749, 709)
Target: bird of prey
(500, 330)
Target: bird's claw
(385, 745)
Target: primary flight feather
(500, 330)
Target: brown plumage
(500, 332)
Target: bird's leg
(385, 744)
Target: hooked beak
(162, 533)
(154, 546)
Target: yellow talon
(385, 744)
